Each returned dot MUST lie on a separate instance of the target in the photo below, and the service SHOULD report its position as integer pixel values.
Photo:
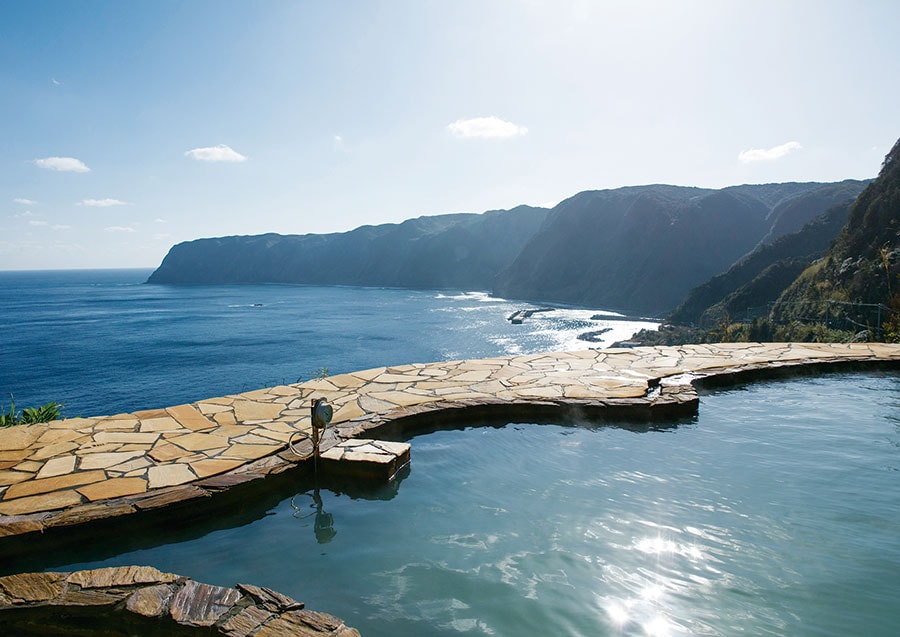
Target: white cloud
(768, 154)
(215, 153)
(65, 164)
(491, 127)
(119, 229)
(102, 203)
(160, 220)
(35, 222)
(25, 202)
(55, 81)
(61, 226)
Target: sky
(128, 127)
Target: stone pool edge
(638, 383)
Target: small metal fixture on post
(320, 416)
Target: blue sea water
(773, 512)
(103, 341)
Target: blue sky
(128, 127)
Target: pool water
(774, 512)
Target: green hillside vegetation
(851, 292)
(753, 284)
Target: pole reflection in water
(323, 525)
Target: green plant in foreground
(30, 415)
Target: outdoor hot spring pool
(775, 511)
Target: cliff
(642, 249)
(461, 251)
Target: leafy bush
(30, 415)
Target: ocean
(103, 341)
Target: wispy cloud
(119, 229)
(101, 203)
(488, 127)
(65, 164)
(215, 153)
(160, 220)
(55, 82)
(35, 222)
(61, 226)
(25, 202)
(768, 154)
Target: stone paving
(125, 599)
(81, 469)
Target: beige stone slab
(488, 387)
(209, 409)
(30, 466)
(116, 424)
(375, 406)
(224, 400)
(284, 390)
(169, 475)
(225, 418)
(369, 374)
(399, 398)
(214, 466)
(20, 437)
(252, 439)
(106, 460)
(255, 395)
(54, 449)
(276, 436)
(57, 467)
(285, 427)
(59, 435)
(141, 462)
(40, 503)
(114, 488)
(250, 410)
(14, 477)
(16, 455)
(97, 447)
(250, 452)
(347, 382)
(126, 437)
(166, 452)
(72, 423)
(348, 411)
(190, 417)
(151, 413)
(199, 441)
(232, 431)
(34, 487)
(474, 376)
(166, 423)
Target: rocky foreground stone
(142, 600)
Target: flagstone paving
(80, 469)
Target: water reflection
(323, 525)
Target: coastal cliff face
(642, 249)
(637, 249)
(461, 251)
(864, 263)
(758, 279)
